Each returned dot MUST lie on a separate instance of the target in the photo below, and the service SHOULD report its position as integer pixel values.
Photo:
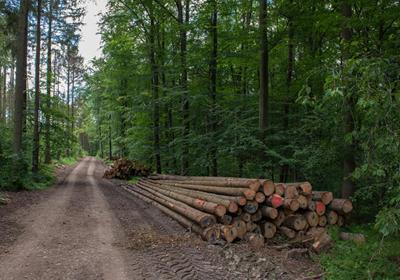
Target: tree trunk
(47, 152)
(264, 72)
(155, 87)
(36, 138)
(21, 76)
(183, 21)
(349, 162)
(213, 88)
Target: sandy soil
(87, 227)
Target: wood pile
(254, 210)
(125, 169)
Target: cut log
(253, 227)
(280, 219)
(303, 187)
(260, 197)
(289, 233)
(251, 207)
(303, 201)
(241, 228)
(230, 202)
(225, 219)
(203, 205)
(268, 229)
(322, 243)
(226, 181)
(291, 204)
(291, 191)
(280, 189)
(212, 234)
(246, 217)
(340, 205)
(320, 208)
(255, 240)
(274, 201)
(340, 221)
(183, 220)
(324, 197)
(229, 233)
(332, 217)
(269, 212)
(248, 193)
(296, 222)
(311, 205)
(356, 237)
(256, 217)
(312, 218)
(203, 219)
(268, 187)
(322, 221)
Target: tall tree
(349, 162)
(47, 152)
(264, 71)
(36, 136)
(21, 76)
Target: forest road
(88, 228)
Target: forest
(286, 90)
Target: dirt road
(88, 228)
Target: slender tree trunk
(264, 71)
(285, 168)
(36, 144)
(47, 153)
(155, 87)
(110, 154)
(183, 21)
(11, 91)
(21, 76)
(349, 162)
(213, 88)
(3, 75)
(68, 102)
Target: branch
(167, 10)
(136, 15)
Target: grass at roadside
(377, 258)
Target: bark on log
(324, 197)
(341, 205)
(296, 222)
(203, 205)
(274, 201)
(227, 181)
(230, 202)
(302, 187)
(246, 217)
(248, 193)
(183, 220)
(225, 220)
(322, 243)
(269, 212)
(340, 221)
(253, 227)
(291, 191)
(203, 219)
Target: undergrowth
(377, 258)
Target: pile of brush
(125, 169)
(251, 209)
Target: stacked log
(126, 169)
(243, 209)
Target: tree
(36, 136)
(264, 72)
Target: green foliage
(377, 258)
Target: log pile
(125, 169)
(254, 210)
